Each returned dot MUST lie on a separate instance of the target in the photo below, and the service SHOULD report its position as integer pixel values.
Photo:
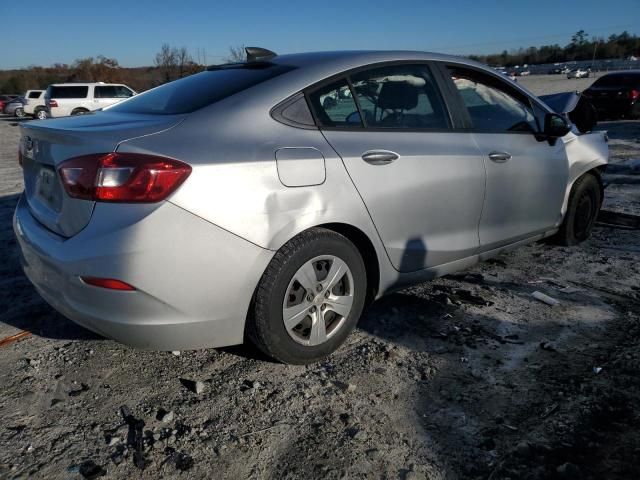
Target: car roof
(314, 67)
(345, 60)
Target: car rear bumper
(194, 281)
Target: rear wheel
(309, 298)
(41, 114)
(582, 211)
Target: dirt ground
(465, 377)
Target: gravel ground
(464, 377)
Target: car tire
(584, 204)
(314, 329)
(19, 113)
(79, 111)
(40, 114)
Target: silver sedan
(273, 199)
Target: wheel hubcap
(318, 300)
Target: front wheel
(309, 299)
(19, 113)
(582, 211)
(41, 114)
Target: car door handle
(380, 157)
(500, 157)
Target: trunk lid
(44, 145)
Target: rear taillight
(109, 283)
(122, 177)
(634, 94)
(53, 103)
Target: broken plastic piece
(545, 298)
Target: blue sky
(42, 32)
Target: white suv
(63, 99)
(35, 104)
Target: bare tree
(236, 55)
(167, 61)
(184, 60)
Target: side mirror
(555, 125)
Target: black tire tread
(565, 235)
(256, 323)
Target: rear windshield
(196, 91)
(67, 92)
(618, 81)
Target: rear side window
(335, 106)
(68, 92)
(35, 94)
(196, 91)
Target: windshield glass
(196, 91)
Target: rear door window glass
(68, 92)
(334, 105)
(196, 91)
(400, 96)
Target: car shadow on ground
(20, 305)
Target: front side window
(334, 105)
(491, 104)
(400, 96)
(105, 92)
(122, 92)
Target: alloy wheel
(318, 300)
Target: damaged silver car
(273, 199)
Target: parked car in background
(616, 95)
(15, 107)
(5, 99)
(65, 99)
(578, 73)
(35, 104)
(238, 203)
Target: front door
(422, 183)
(526, 176)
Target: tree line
(581, 47)
(171, 63)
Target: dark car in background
(616, 95)
(15, 107)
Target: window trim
(372, 66)
(461, 109)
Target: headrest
(398, 96)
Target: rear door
(526, 175)
(422, 182)
(63, 99)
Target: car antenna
(257, 53)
